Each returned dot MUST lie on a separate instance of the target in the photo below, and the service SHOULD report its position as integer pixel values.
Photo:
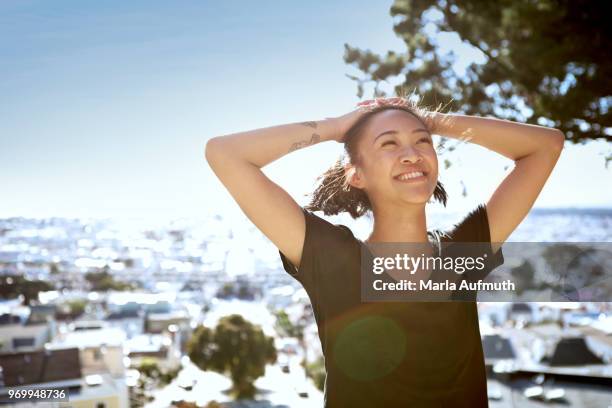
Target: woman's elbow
(549, 146)
(557, 141)
(212, 149)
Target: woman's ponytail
(335, 195)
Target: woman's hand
(345, 122)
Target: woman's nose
(410, 155)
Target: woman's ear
(353, 176)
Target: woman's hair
(334, 194)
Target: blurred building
(60, 369)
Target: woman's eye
(426, 140)
(387, 142)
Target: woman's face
(394, 148)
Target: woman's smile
(411, 177)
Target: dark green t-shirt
(390, 354)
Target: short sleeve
(322, 239)
(475, 228)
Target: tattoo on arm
(315, 138)
(310, 124)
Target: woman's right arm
(237, 159)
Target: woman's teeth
(407, 176)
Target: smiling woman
(422, 354)
(393, 127)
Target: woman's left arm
(534, 149)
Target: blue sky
(106, 106)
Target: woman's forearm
(263, 146)
(511, 139)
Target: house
(40, 314)
(497, 348)
(19, 337)
(60, 369)
(101, 353)
(100, 347)
(573, 351)
(40, 366)
(159, 347)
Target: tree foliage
(12, 286)
(236, 348)
(152, 377)
(286, 327)
(103, 281)
(71, 309)
(150, 369)
(548, 58)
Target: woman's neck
(406, 225)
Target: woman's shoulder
(326, 230)
(473, 227)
